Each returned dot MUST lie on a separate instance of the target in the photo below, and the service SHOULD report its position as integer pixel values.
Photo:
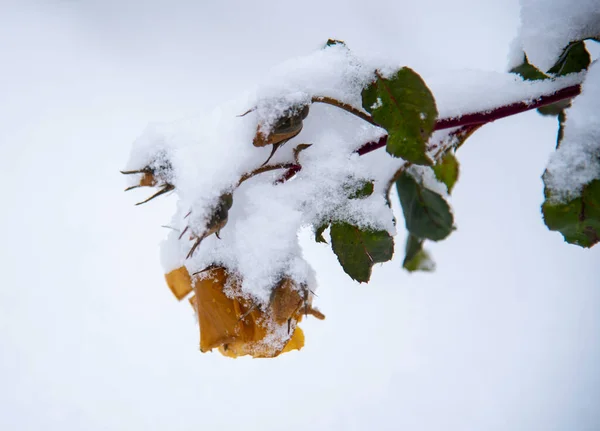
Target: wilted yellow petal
(219, 323)
(192, 300)
(296, 342)
(180, 282)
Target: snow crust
(548, 26)
(206, 157)
(577, 160)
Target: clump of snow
(207, 156)
(427, 178)
(548, 26)
(378, 104)
(577, 160)
(516, 54)
(335, 72)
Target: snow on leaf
(527, 71)
(576, 162)
(548, 26)
(579, 219)
(574, 58)
(447, 170)
(362, 189)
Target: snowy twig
(508, 110)
(487, 116)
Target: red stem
(293, 170)
(486, 117)
(467, 120)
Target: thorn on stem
(138, 171)
(299, 148)
(184, 231)
(167, 188)
(273, 149)
(247, 112)
(194, 247)
(209, 267)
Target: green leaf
(528, 71)
(319, 233)
(413, 246)
(577, 220)
(358, 250)
(362, 190)
(416, 258)
(555, 108)
(447, 171)
(574, 58)
(404, 106)
(426, 213)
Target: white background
(504, 336)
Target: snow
(577, 160)
(548, 26)
(427, 178)
(333, 72)
(209, 154)
(515, 54)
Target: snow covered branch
(234, 240)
